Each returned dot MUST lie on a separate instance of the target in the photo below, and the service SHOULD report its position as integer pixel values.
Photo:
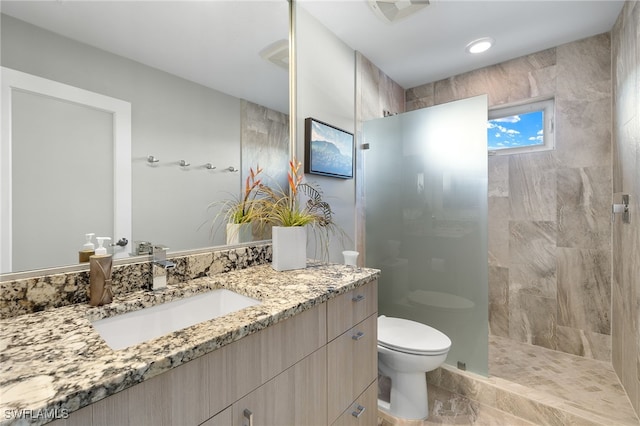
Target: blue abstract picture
(328, 150)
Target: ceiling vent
(277, 53)
(393, 10)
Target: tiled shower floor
(588, 385)
(547, 387)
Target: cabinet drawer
(296, 396)
(352, 364)
(223, 418)
(261, 356)
(348, 309)
(364, 411)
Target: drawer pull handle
(359, 335)
(358, 298)
(358, 411)
(247, 418)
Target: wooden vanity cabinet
(290, 373)
(223, 418)
(348, 309)
(351, 362)
(297, 396)
(352, 356)
(364, 411)
(254, 360)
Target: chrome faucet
(143, 247)
(160, 267)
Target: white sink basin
(136, 327)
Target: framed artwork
(328, 150)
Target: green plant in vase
(290, 212)
(240, 212)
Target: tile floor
(447, 408)
(587, 385)
(581, 387)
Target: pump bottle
(88, 249)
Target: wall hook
(184, 163)
(209, 166)
(152, 159)
(231, 169)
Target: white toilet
(406, 351)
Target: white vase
(289, 247)
(238, 233)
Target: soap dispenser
(100, 265)
(88, 249)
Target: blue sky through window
(515, 131)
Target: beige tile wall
(549, 230)
(626, 180)
(549, 233)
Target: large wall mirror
(207, 84)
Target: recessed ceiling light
(480, 45)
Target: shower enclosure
(426, 221)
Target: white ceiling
(430, 44)
(217, 43)
(214, 43)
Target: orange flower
(295, 179)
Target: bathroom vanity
(305, 355)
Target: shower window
(521, 128)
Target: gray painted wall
(326, 92)
(172, 119)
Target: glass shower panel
(426, 221)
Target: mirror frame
(293, 113)
(13, 80)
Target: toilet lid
(411, 337)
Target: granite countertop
(55, 360)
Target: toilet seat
(411, 337)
